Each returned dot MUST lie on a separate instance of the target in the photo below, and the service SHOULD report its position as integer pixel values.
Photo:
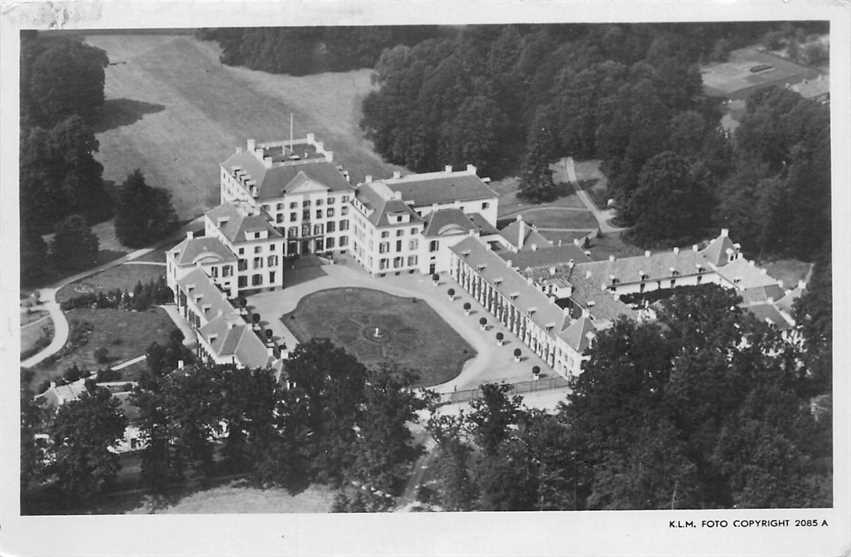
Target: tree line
(708, 408)
(61, 185)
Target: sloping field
(174, 111)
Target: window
(383, 247)
(241, 251)
(320, 245)
(332, 200)
(214, 272)
(433, 246)
(279, 218)
(266, 208)
(400, 231)
(344, 240)
(256, 235)
(344, 198)
(413, 231)
(273, 247)
(317, 229)
(413, 244)
(329, 243)
(485, 204)
(305, 215)
(257, 249)
(330, 227)
(242, 282)
(329, 212)
(344, 225)
(292, 232)
(279, 206)
(412, 260)
(385, 234)
(293, 216)
(399, 219)
(293, 205)
(258, 263)
(344, 211)
(271, 277)
(382, 264)
(398, 245)
(242, 264)
(397, 262)
(227, 271)
(319, 201)
(319, 213)
(272, 261)
(256, 280)
(305, 203)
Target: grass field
(237, 498)
(789, 271)
(126, 334)
(612, 244)
(509, 204)
(174, 111)
(557, 217)
(563, 236)
(414, 335)
(733, 78)
(123, 276)
(30, 336)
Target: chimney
(725, 232)
(52, 384)
(179, 364)
(647, 253)
(252, 145)
(238, 149)
(676, 251)
(534, 247)
(320, 146)
(329, 156)
(552, 271)
(267, 162)
(471, 169)
(189, 234)
(588, 275)
(570, 264)
(611, 257)
(764, 271)
(521, 231)
(585, 312)
(448, 169)
(368, 179)
(694, 247)
(508, 262)
(311, 138)
(222, 221)
(802, 284)
(396, 174)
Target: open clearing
(412, 334)
(789, 271)
(734, 78)
(124, 277)
(240, 499)
(126, 334)
(174, 111)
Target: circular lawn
(375, 326)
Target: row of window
(318, 229)
(397, 262)
(399, 232)
(384, 247)
(306, 203)
(259, 249)
(256, 280)
(242, 264)
(305, 215)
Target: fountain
(375, 334)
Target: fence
(545, 384)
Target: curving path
(48, 295)
(562, 173)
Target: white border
(551, 533)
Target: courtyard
(375, 326)
(487, 361)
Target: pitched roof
(759, 294)
(192, 251)
(238, 224)
(382, 203)
(745, 274)
(654, 266)
(531, 237)
(437, 187)
(579, 333)
(57, 395)
(273, 182)
(716, 251)
(205, 293)
(544, 256)
(451, 221)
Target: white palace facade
(284, 199)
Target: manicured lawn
(565, 237)
(28, 317)
(30, 336)
(509, 204)
(176, 112)
(158, 255)
(788, 271)
(555, 217)
(413, 334)
(612, 244)
(123, 276)
(126, 334)
(236, 498)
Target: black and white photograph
(410, 276)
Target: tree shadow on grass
(123, 112)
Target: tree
(669, 205)
(499, 337)
(536, 183)
(74, 246)
(66, 77)
(143, 214)
(517, 354)
(467, 307)
(492, 415)
(33, 452)
(82, 432)
(33, 256)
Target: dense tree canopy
(143, 214)
(74, 246)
